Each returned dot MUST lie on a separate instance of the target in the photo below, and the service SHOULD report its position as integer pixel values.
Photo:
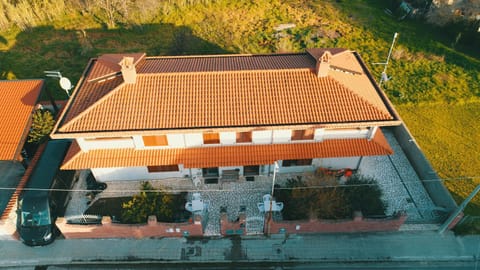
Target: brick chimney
(129, 72)
(323, 64)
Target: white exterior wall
(134, 173)
(295, 169)
(345, 134)
(282, 136)
(228, 138)
(318, 135)
(339, 163)
(193, 139)
(86, 145)
(176, 140)
(262, 136)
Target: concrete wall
(357, 224)
(437, 191)
(112, 230)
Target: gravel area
(78, 202)
(401, 186)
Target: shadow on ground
(46, 48)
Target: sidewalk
(405, 247)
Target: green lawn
(434, 86)
(449, 135)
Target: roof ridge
(221, 55)
(364, 100)
(91, 107)
(147, 74)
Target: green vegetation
(150, 202)
(333, 201)
(42, 125)
(435, 72)
(449, 135)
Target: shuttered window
(211, 138)
(159, 140)
(304, 134)
(163, 168)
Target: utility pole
(459, 209)
(269, 219)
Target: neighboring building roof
(19, 98)
(223, 91)
(205, 157)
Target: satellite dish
(66, 84)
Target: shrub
(148, 202)
(363, 194)
(42, 125)
(330, 202)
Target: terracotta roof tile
(226, 63)
(18, 101)
(193, 100)
(227, 91)
(204, 157)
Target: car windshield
(35, 219)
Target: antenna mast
(384, 77)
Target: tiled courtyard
(402, 190)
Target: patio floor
(402, 190)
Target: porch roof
(204, 157)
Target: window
(251, 170)
(163, 168)
(296, 162)
(211, 138)
(305, 134)
(160, 140)
(244, 137)
(210, 172)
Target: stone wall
(107, 229)
(357, 224)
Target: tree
(147, 203)
(42, 125)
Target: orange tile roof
(18, 100)
(204, 157)
(227, 91)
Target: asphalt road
(398, 250)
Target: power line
(167, 190)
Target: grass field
(435, 87)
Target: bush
(330, 202)
(149, 202)
(42, 125)
(363, 194)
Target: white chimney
(129, 72)
(323, 64)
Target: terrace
(403, 192)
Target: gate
(254, 225)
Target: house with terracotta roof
(224, 117)
(19, 98)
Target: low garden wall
(232, 228)
(107, 229)
(357, 224)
